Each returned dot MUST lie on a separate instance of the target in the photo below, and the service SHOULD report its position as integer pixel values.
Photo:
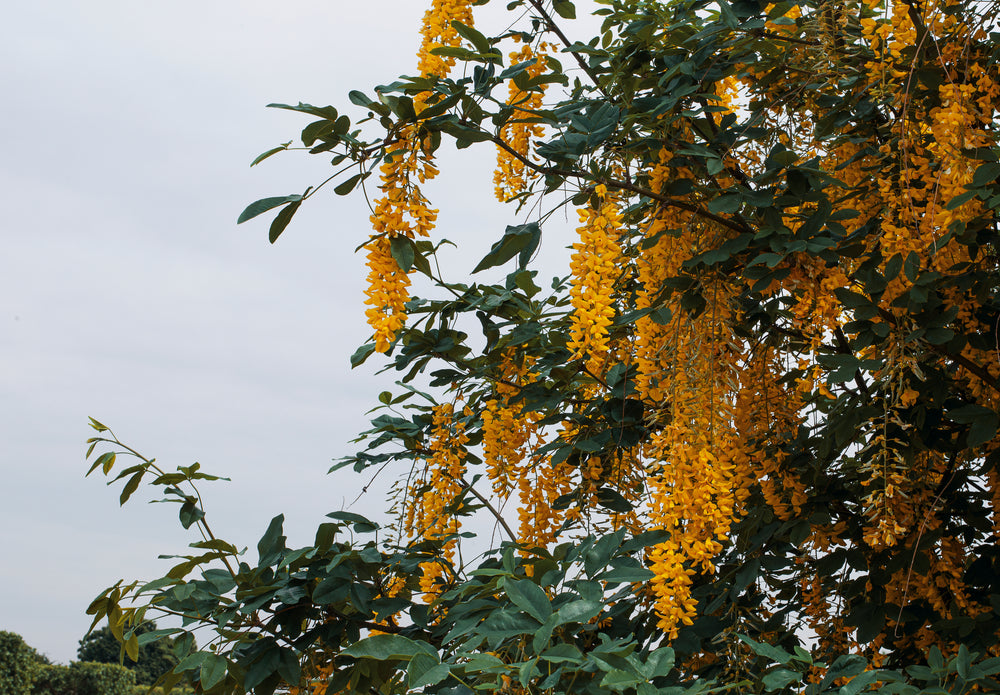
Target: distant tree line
(99, 670)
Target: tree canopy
(153, 659)
(748, 442)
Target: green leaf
(274, 150)
(192, 662)
(985, 174)
(522, 239)
(105, 462)
(659, 663)
(726, 203)
(613, 500)
(132, 647)
(963, 661)
(424, 670)
(327, 112)
(769, 651)
(331, 590)
(620, 575)
(360, 98)
(472, 36)
(564, 8)
(361, 524)
(273, 540)
(216, 544)
(386, 647)
(529, 597)
(213, 671)
(403, 252)
(362, 354)
(464, 54)
(562, 652)
(982, 422)
(261, 206)
(780, 678)
(859, 683)
(960, 200)
(349, 185)
(263, 668)
(190, 513)
(317, 130)
(281, 221)
(580, 611)
(619, 681)
(131, 486)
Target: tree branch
(496, 514)
(623, 186)
(960, 360)
(554, 28)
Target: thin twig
(489, 506)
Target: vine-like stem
(493, 510)
(203, 527)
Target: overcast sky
(129, 293)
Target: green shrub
(178, 690)
(17, 665)
(85, 678)
(101, 679)
(153, 659)
(54, 679)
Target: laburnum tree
(748, 443)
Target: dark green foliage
(155, 658)
(18, 665)
(101, 679)
(55, 679)
(575, 619)
(84, 678)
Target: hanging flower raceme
(539, 520)
(387, 293)
(511, 175)
(594, 267)
(698, 473)
(437, 32)
(436, 491)
(507, 429)
(768, 415)
(402, 210)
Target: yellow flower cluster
(402, 210)
(768, 414)
(506, 429)
(660, 259)
(594, 267)
(699, 478)
(511, 175)
(387, 292)
(427, 513)
(437, 31)
(697, 471)
(941, 584)
(537, 492)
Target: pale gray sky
(128, 293)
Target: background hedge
(17, 665)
